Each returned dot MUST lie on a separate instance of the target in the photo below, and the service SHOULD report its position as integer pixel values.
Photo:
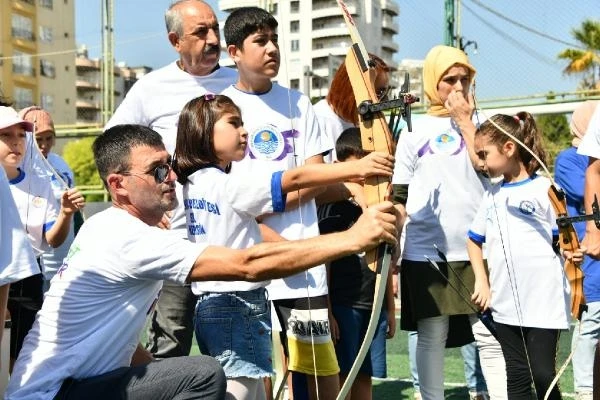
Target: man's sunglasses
(160, 172)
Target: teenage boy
(283, 133)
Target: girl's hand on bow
(481, 294)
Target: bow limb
(375, 136)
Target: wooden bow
(375, 136)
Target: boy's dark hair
(245, 21)
(349, 144)
(112, 149)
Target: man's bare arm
(279, 259)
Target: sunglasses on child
(160, 172)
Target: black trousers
(530, 355)
(24, 301)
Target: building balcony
(339, 50)
(86, 64)
(87, 105)
(389, 45)
(24, 6)
(82, 84)
(390, 6)
(318, 33)
(388, 23)
(331, 9)
(228, 5)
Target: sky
(516, 52)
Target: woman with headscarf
(439, 188)
(569, 173)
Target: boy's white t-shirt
(221, 210)
(37, 207)
(528, 284)
(283, 133)
(98, 302)
(17, 260)
(444, 190)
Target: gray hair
(173, 19)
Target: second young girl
(232, 319)
(528, 292)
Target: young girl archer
(528, 292)
(232, 320)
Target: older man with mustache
(155, 101)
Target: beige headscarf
(581, 119)
(437, 62)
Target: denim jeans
(177, 378)
(235, 328)
(585, 338)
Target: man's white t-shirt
(283, 133)
(98, 302)
(444, 189)
(158, 97)
(221, 210)
(37, 207)
(16, 255)
(528, 284)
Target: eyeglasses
(160, 172)
(382, 92)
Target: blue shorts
(235, 328)
(353, 323)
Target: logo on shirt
(446, 143)
(38, 202)
(267, 143)
(527, 207)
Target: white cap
(9, 117)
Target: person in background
(111, 280)
(283, 133)
(436, 173)
(61, 178)
(46, 223)
(155, 101)
(352, 286)
(569, 173)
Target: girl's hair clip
(209, 96)
(519, 120)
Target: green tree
(78, 154)
(557, 135)
(585, 59)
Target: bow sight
(402, 102)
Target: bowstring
(298, 192)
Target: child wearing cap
(61, 179)
(45, 223)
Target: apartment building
(89, 86)
(37, 57)
(314, 39)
